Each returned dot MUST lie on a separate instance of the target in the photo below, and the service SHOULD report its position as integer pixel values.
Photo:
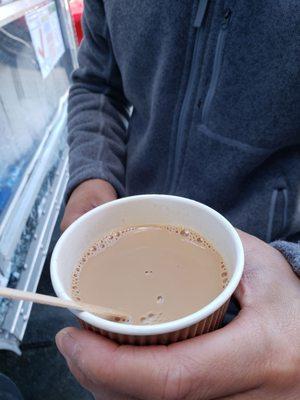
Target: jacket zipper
(216, 65)
(198, 24)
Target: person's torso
(215, 87)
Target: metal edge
(19, 311)
(14, 225)
(68, 29)
(58, 115)
(10, 343)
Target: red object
(76, 8)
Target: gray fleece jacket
(214, 90)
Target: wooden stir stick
(103, 312)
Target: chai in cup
(154, 273)
(144, 211)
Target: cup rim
(166, 327)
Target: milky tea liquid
(154, 273)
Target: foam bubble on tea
(154, 273)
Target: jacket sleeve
(291, 251)
(98, 111)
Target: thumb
(89, 374)
(85, 350)
(67, 344)
(266, 274)
(86, 355)
(99, 363)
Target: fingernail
(66, 343)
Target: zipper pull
(226, 18)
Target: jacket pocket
(237, 180)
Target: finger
(225, 362)
(77, 366)
(75, 208)
(129, 370)
(68, 218)
(266, 274)
(99, 391)
(67, 221)
(248, 395)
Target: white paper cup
(147, 210)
